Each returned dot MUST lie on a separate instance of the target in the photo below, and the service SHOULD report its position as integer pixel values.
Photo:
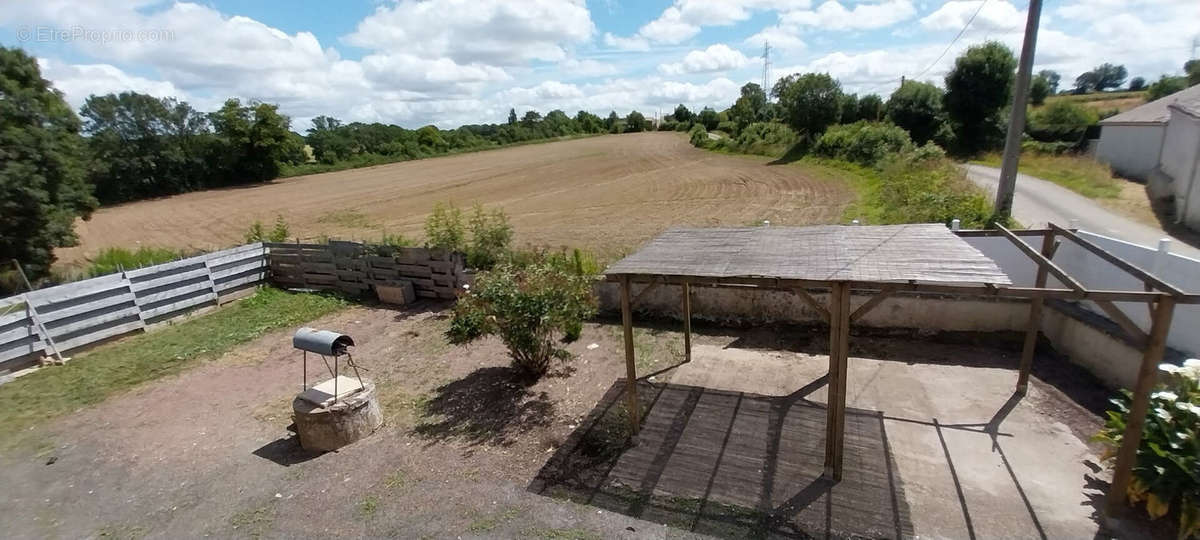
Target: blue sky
(451, 62)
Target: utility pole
(1016, 124)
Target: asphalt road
(1038, 201)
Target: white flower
(1169, 368)
(1192, 363)
(1163, 414)
(1190, 407)
(1164, 394)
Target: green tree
(870, 107)
(588, 122)
(809, 103)
(512, 117)
(610, 123)
(42, 184)
(1137, 83)
(1039, 88)
(530, 118)
(1107, 76)
(708, 118)
(750, 106)
(635, 122)
(682, 114)
(1192, 68)
(1061, 121)
(430, 137)
(1052, 78)
(849, 109)
(1165, 87)
(978, 88)
(917, 107)
(253, 138)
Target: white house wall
(1132, 151)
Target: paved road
(1038, 201)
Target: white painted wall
(1179, 147)
(1132, 151)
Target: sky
(455, 62)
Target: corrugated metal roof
(888, 253)
(1156, 111)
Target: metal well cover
(323, 342)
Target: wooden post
(839, 345)
(1147, 376)
(631, 399)
(1035, 318)
(687, 321)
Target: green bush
(766, 138)
(490, 238)
(864, 143)
(918, 186)
(698, 136)
(444, 228)
(115, 259)
(1061, 121)
(258, 233)
(683, 126)
(525, 306)
(1166, 474)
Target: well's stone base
(329, 428)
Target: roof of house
(888, 253)
(1156, 112)
(1189, 103)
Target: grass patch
(114, 259)
(563, 534)
(491, 521)
(368, 506)
(346, 218)
(1082, 175)
(908, 192)
(254, 522)
(92, 377)
(396, 480)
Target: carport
(879, 261)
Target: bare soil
(206, 452)
(606, 193)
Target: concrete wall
(1132, 151)
(1181, 161)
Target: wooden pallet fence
(93, 310)
(355, 268)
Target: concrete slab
(321, 395)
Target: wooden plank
(100, 335)
(318, 268)
(1041, 259)
(164, 267)
(13, 350)
(17, 334)
(293, 246)
(1123, 264)
(320, 279)
(94, 321)
(414, 270)
(976, 233)
(21, 314)
(426, 293)
(645, 291)
(631, 400)
(289, 258)
(443, 280)
(144, 299)
(812, 303)
(441, 267)
(69, 291)
(256, 265)
(1034, 323)
(870, 304)
(381, 262)
(237, 259)
(839, 349)
(1156, 344)
(423, 283)
(86, 307)
(168, 280)
(179, 306)
(223, 286)
(686, 312)
(1123, 320)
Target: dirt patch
(562, 193)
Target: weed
(114, 259)
(368, 505)
(396, 480)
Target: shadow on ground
(491, 405)
(730, 464)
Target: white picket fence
(93, 310)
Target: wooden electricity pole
(1016, 124)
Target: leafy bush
(1061, 121)
(444, 228)
(766, 138)
(727, 127)
(525, 307)
(1166, 474)
(698, 135)
(918, 186)
(865, 143)
(490, 237)
(1165, 87)
(258, 233)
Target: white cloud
(631, 43)
(832, 15)
(79, 81)
(574, 67)
(717, 57)
(684, 19)
(996, 16)
(490, 31)
(417, 74)
(779, 37)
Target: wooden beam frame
(812, 303)
(1042, 261)
(686, 311)
(631, 400)
(870, 304)
(839, 350)
(977, 233)
(1127, 324)
(1034, 323)
(650, 287)
(1128, 267)
(1136, 420)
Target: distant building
(1159, 142)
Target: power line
(944, 51)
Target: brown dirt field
(605, 193)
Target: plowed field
(605, 193)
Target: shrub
(727, 127)
(490, 237)
(258, 233)
(444, 228)
(115, 259)
(766, 138)
(1166, 474)
(683, 126)
(865, 143)
(918, 186)
(698, 135)
(525, 307)
(1061, 121)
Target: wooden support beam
(1041, 259)
(687, 322)
(872, 302)
(839, 350)
(631, 400)
(976, 233)
(812, 303)
(648, 288)
(1127, 266)
(1034, 324)
(1124, 321)
(1147, 376)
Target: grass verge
(109, 369)
(1082, 175)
